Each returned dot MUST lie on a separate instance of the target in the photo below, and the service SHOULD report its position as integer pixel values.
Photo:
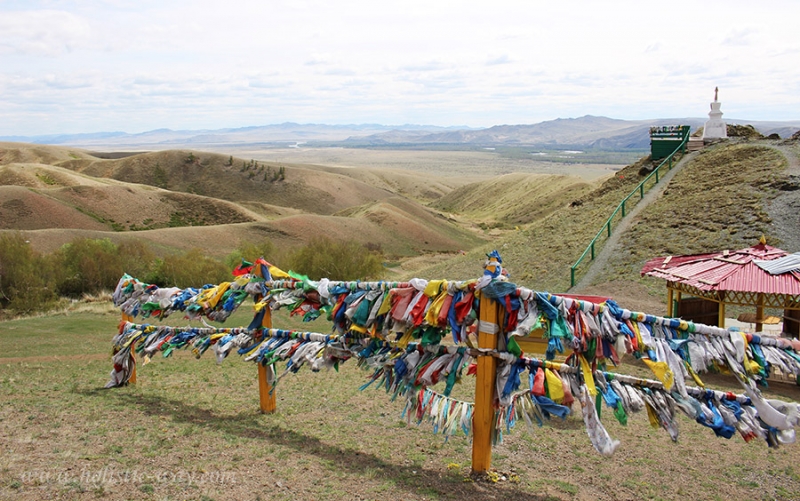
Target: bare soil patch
(23, 209)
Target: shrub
(88, 266)
(136, 258)
(250, 251)
(191, 269)
(160, 176)
(26, 283)
(336, 260)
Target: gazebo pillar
(760, 312)
(721, 317)
(670, 313)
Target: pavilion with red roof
(760, 276)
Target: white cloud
(186, 64)
(502, 59)
(740, 37)
(47, 33)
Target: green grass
(539, 255)
(694, 215)
(59, 335)
(189, 429)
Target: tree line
(31, 281)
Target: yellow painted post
(721, 320)
(265, 393)
(132, 379)
(483, 417)
(669, 303)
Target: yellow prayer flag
(662, 372)
(588, 376)
(555, 387)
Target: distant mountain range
(587, 132)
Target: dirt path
(612, 244)
(792, 154)
(784, 208)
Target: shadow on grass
(247, 425)
(781, 389)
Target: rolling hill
(205, 201)
(725, 198)
(435, 226)
(512, 199)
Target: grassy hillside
(539, 254)
(421, 186)
(513, 199)
(540, 224)
(212, 175)
(156, 195)
(24, 209)
(718, 201)
(35, 196)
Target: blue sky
(108, 65)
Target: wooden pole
(760, 313)
(265, 392)
(670, 313)
(483, 417)
(132, 379)
(721, 320)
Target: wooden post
(721, 319)
(483, 417)
(760, 313)
(265, 392)
(670, 312)
(132, 379)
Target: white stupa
(715, 127)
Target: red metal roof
(726, 271)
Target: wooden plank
(483, 417)
(533, 343)
(728, 260)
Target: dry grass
(190, 429)
(24, 209)
(716, 202)
(542, 252)
(513, 199)
(552, 232)
(361, 206)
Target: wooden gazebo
(700, 286)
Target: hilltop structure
(699, 286)
(715, 127)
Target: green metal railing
(621, 208)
